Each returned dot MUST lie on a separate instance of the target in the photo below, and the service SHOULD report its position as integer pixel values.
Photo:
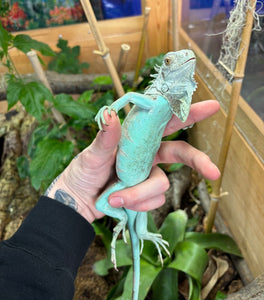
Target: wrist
(59, 191)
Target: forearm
(43, 256)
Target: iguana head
(175, 81)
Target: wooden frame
(242, 204)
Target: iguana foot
(99, 118)
(143, 234)
(121, 226)
(155, 238)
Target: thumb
(107, 139)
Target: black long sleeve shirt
(41, 259)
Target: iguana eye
(167, 61)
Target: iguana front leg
(142, 101)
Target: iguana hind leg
(118, 213)
(144, 234)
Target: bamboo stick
(125, 48)
(142, 44)
(176, 23)
(236, 88)
(103, 50)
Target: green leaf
(5, 39)
(106, 99)
(50, 157)
(84, 65)
(219, 296)
(25, 44)
(65, 104)
(105, 234)
(194, 289)
(76, 51)
(117, 290)
(32, 95)
(173, 228)
(152, 227)
(192, 223)
(148, 274)
(151, 63)
(165, 286)
(123, 258)
(13, 90)
(102, 267)
(214, 240)
(103, 80)
(62, 44)
(124, 254)
(150, 253)
(174, 136)
(37, 135)
(66, 61)
(174, 167)
(23, 166)
(190, 259)
(86, 96)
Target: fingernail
(116, 201)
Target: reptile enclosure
(242, 203)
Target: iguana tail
(135, 253)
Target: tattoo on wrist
(65, 198)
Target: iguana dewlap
(170, 93)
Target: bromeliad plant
(188, 255)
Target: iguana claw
(99, 118)
(156, 238)
(121, 226)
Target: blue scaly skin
(170, 93)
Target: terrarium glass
(205, 22)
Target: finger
(153, 187)
(179, 151)
(198, 112)
(103, 148)
(108, 138)
(149, 204)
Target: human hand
(80, 184)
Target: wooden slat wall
(113, 31)
(242, 207)
(158, 27)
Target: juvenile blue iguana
(170, 93)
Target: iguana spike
(157, 68)
(154, 75)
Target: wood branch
(71, 83)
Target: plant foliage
(66, 61)
(188, 256)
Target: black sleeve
(41, 259)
